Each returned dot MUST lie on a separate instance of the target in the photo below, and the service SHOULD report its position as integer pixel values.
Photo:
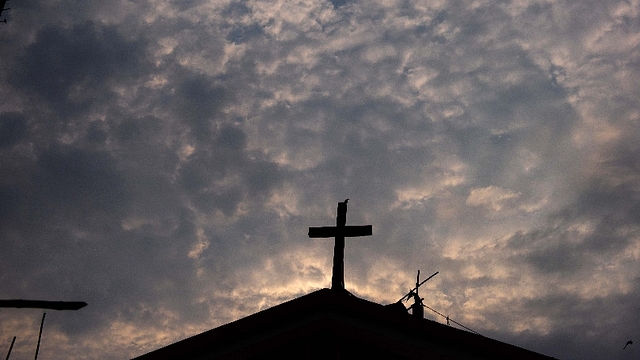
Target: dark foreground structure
(330, 324)
(334, 324)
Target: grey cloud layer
(163, 160)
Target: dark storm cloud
(550, 251)
(223, 173)
(562, 342)
(73, 69)
(337, 3)
(199, 102)
(10, 202)
(64, 184)
(12, 128)
(610, 204)
(241, 34)
(183, 5)
(80, 180)
(612, 196)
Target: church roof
(336, 324)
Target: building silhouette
(335, 324)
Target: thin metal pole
(11, 347)
(40, 336)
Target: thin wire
(453, 321)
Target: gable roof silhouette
(330, 324)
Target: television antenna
(417, 307)
(40, 304)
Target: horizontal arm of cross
(346, 231)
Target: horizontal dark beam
(40, 304)
(347, 231)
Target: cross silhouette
(339, 232)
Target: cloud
(492, 198)
(72, 68)
(12, 129)
(76, 179)
(163, 161)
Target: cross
(340, 231)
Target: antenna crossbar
(411, 292)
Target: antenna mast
(11, 347)
(417, 307)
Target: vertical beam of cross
(337, 277)
(339, 232)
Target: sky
(163, 160)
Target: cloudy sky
(162, 160)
